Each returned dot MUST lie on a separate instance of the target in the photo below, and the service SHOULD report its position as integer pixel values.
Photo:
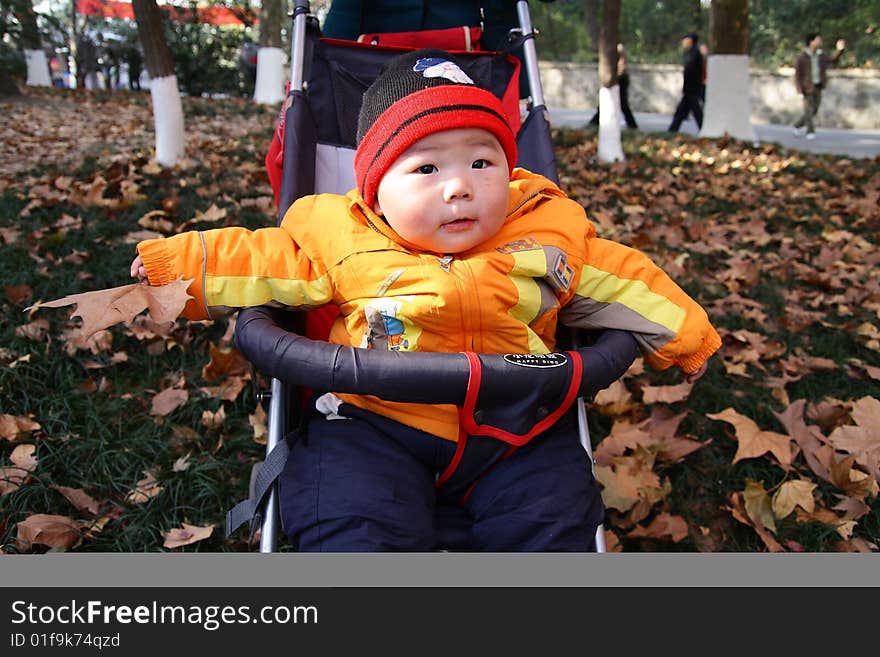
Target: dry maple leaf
(738, 511)
(666, 394)
(81, 500)
(258, 421)
(144, 489)
(185, 535)
(24, 463)
(12, 426)
(753, 441)
(43, 529)
(791, 494)
(101, 309)
(863, 439)
(224, 363)
(168, 400)
(663, 526)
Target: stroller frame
(267, 510)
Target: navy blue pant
(366, 484)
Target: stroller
(312, 152)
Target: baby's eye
(427, 168)
(480, 164)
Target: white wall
(850, 100)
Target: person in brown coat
(810, 77)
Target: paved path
(854, 143)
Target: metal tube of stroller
(275, 434)
(584, 432)
(530, 55)
(276, 419)
(297, 44)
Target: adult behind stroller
(317, 148)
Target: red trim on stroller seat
(450, 38)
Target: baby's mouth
(459, 224)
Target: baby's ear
(377, 208)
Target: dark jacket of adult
(347, 19)
(693, 70)
(803, 72)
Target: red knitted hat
(417, 94)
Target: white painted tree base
(728, 108)
(168, 117)
(610, 148)
(269, 86)
(37, 69)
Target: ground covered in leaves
(141, 437)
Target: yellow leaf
(758, 506)
(258, 422)
(792, 494)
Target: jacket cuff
(156, 261)
(711, 344)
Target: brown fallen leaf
(80, 500)
(738, 511)
(863, 439)
(51, 530)
(754, 442)
(168, 400)
(23, 464)
(101, 309)
(144, 489)
(666, 394)
(12, 426)
(225, 363)
(186, 535)
(664, 526)
(214, 419)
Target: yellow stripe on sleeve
(634, 294)
(245, 291)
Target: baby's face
(447, 192)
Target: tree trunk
(591, 18)
(728, 104)
(167, 108)
(610, 148)
(269, 85)
(37, 64)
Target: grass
(96, 430)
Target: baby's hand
(693, 376)
(138, 271)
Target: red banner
(213, 15)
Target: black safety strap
(263, 476)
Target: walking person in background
(810, 77)
(623, 84)
(134, 60)
(692, 87)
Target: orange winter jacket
(506, 295)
